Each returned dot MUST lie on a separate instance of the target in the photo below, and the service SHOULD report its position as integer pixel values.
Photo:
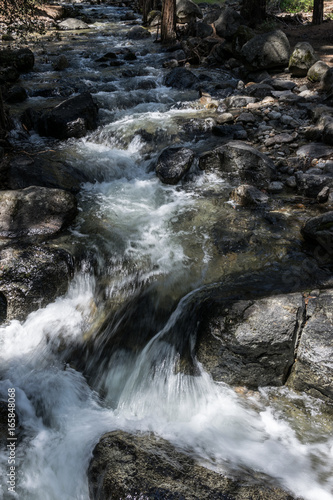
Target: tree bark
(318, 12)
(254, 11)
(168, 21)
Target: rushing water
(152, 248)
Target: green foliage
(295, 6)
(19, 16)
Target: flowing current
(146, 249)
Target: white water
(127, 216)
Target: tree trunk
(168, 21)
(254, 11)
(318, 12)
(146, 8)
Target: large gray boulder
(71, 118)
(35, 211)
(31, 277)
(228, 23)
(173, 163)
(41, 170)
(320, 230)
(313, 369)
(72, 24)
(237, 161)
(327, 81)
(181, 78)
(251, 342)
(269, 50)
(187, 11)
(302, 58)
(147, 467)
(22, 60)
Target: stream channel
(102, 357)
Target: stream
(105, 355)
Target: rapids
(145, 248)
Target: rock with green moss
(317, 71)
(302, 58)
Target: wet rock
(138, 33)
(72, 24)
(187, 11)
(15, 95)
(311, 184)
(228, 23)
(61, 63)
(42, 170)
(237, 160)
(145, 466)
(251, 343)
(313, 370)
(317, 71)
(247, 196)
(173, 163)
(181, 78)
(35, 211)
(320, 230)
(269, 50)
(21, 59)
(302, 58)
(32, 276)
(71, 118)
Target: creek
(144, 248)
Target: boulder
(173, 163)
(313, 369)
(187, 11)
(71, 118)
(154, 18)
(248, 196)
(269, 50)
(42, 170)
(60, 63)
(317, 71)
(31, 277)
(15, 94)
(181, 78)
(228, 23)
(72, 24)
(302, 58)
(251, 342)
(314, 150)
(310, 184)
(148, 467)
(203, 30)
(237, 160)
(327, 81)
(22, 60)
(138, 33)
(320, 230)
(35, 211)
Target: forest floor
(298, 28)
